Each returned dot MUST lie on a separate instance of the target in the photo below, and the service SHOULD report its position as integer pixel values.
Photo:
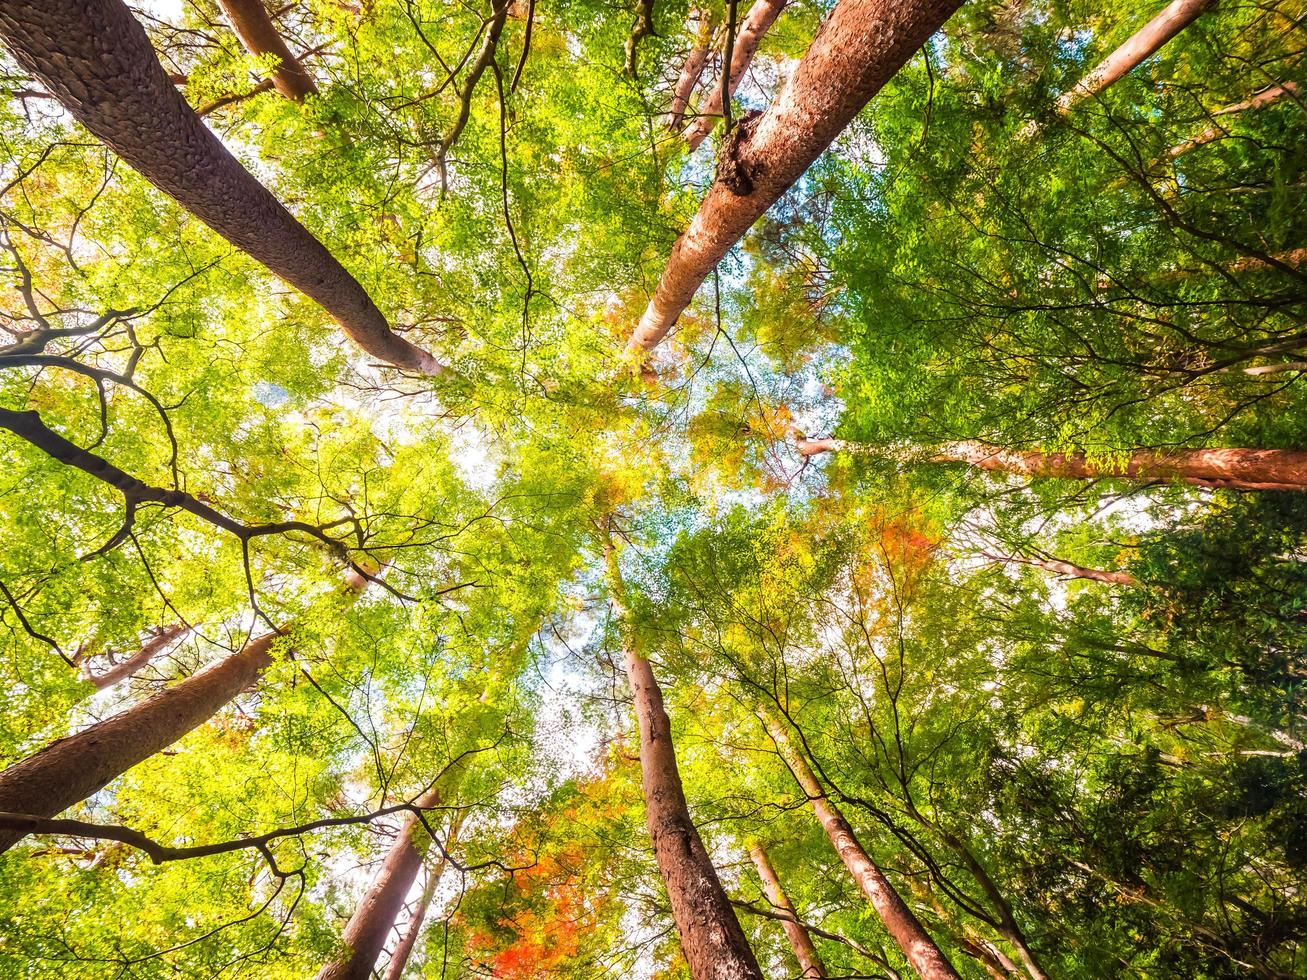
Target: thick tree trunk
(902, 925)
(399, 958)
(711, 938)
(691, 72)
(1144, 43)
(366, 932)
(250, 20)
(150, 649)
(1239, 469)
(805, 952)
(96, 59)
(860, 47)
(69, 770)
(756, 23)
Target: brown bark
(810, 965)
(1262, 99)
(711, 938)
(399, 958)
(902, 925)
(150, 649)
(861, 45)
(366, 932)
(257, 33)
(1239, 469)
(1069, 570)
(691, 72)
(1144, 43)
(96, 59)
(756, 23)
(70, 769)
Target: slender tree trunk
(1268, 96)
(399, 958)
(1069, 570)
(691, 72)
(96, 59)
(756, 23)
(1144, 43)
(1239, 469)
(711, 938)
(250, 20)
(804, 951)
(150, 649)
(899, 920)
(366, 932)
(860, 47)
(70, 769)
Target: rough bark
(257, 33)
(1268, 96)
(861, 45)
(691, 72)
(1239, 469)
(96, 59)
(805, 952)
(1144, 43)
(70, 769)
(902, 925)
(399, 958)
(366, 932)
(756, 23)
(150, 649)
(711, 938)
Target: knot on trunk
(732, 172)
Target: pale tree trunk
(805, 952)
(71, 769)
(150, 649)
(250, 20)
(756, 23)
(899, 920)
(691, 72)
(1268, 96)
(1239, 469)
(1144, 43)
(368, 928)
(399, 958)
(1067, 569)
(95, 58)
(860, 47)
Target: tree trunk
(691, 72)
(1262, 99)
(149, 650)
(756, 23)
(1239, 469)
(902, 925)
(711, 938)
(366, 932)
(805, 952)
(1145, 42)
(250, 20)
(860, 47)
(96, 59)
(70, 769)
(1069, 570)
(399, 958)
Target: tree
(250, 20)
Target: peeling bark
(810, 965)
(1238, 469)
(902, 925)
(96, 59)
(860, 47)
(1144, 43)
(756, 23)
(259, 36)
(365, 933)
